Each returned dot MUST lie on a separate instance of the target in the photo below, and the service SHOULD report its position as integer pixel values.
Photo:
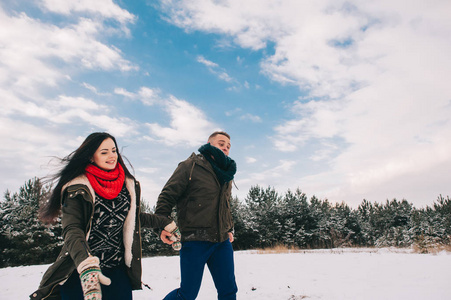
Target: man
(200, 189)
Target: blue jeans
(119, 289)
(219, 259)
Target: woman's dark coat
(77, 213)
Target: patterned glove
(176, 235)
(91, 277)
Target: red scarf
(106, 184)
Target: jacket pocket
(200, 214)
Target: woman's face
(105, 156)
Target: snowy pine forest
(263, 219)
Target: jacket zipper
(51, 291)
(88, 226)
(138, 213)
(191, 172)
(86, 247)
(138, 209)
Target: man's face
(222, 142)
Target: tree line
(264, 218)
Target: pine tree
(296, 219)
(364, 214)
(150, 238)
(27, 240)
(321, 233)
(239, 223)
(394, 222)
(344, 225)
(442, 208)
(262, 224)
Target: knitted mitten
(176, 235)
(91, 277)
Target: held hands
(176, 237)
(171, 235)
(231, 238)
(91, 277)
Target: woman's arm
(76, 215)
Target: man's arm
(172, 190)
(171, 193)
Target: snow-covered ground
(351, 274)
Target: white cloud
(206, 62)
(147, 170)
(146, 95)
(243, 116)
(215, 69)
(125, 93)
(29, 148)
(251, 117)
(94, 89)
(250, 160)
(66, 109)
(38, 60)
(270, 176)
(316, 119)
(149, 96)
(77, 102)
(377, 81)
(104, 8)
(225, 77)
(233, 112)
(188, 125)
(34, 47)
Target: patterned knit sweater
(106, 237)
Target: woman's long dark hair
(74, 166)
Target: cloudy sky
(346, 100)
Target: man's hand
(231, 238)
(175, 235)
(165, 236)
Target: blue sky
(343, 99)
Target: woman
(99, 200)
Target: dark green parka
(77, 214)
(203, 205)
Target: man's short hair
(218, 132)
